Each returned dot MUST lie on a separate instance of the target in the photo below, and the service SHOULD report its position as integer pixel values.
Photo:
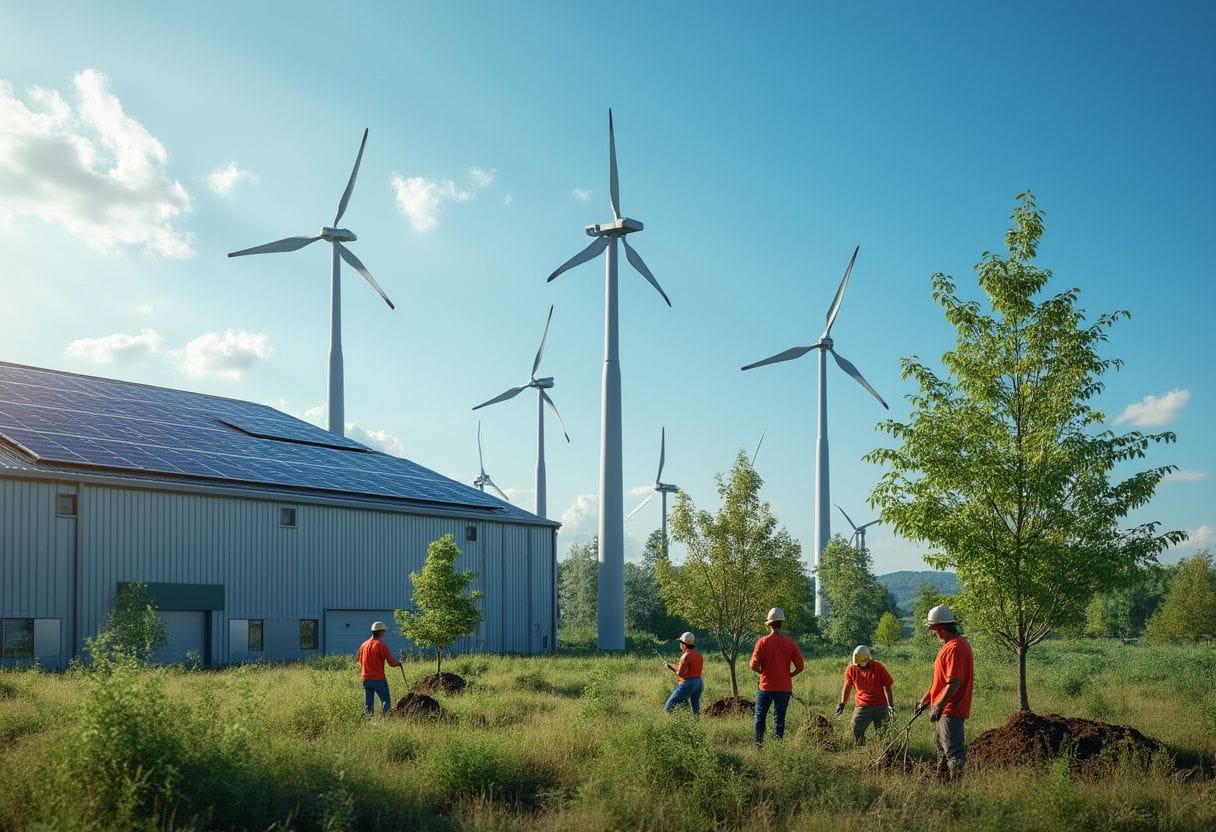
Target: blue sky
(139, 144)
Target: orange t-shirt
(689, 666)
(775, 653)
(869, 681)
(373, 653)
(954, 661)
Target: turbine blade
(758, 444)
(848, 367)
(349, 257)
(867, 525)
(662, 455)
(481, 465)
(636, 260)
(788, 355)
(589, 253)
(556, 415)
(641, 505)
(286, 244)
(502, 397)
(350, 186)
(614, 186)
(846, 517)
(840, 293)
(494, 485)
(543, 338)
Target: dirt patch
(730, 706)
(440, 683)
(1029, 738)
(818, 729)
(418, 706)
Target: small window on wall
(287, 517)
(18, 638)
(65, 505)
(255, 635)
(308, 634)
(470, 533)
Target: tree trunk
(438, 661)
(734, 683)
(1023, 700)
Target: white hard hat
(775, 614)
(378, 625)
(861, 654)
(688, 638)
(941, 614)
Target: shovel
(899, 746)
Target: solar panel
(80, 420)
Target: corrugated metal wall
(334, 558)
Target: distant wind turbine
(859, 532)
(823, 501)
(336, 236)
(542, 399)
(483, 479)
(611, 521)
(660, 487)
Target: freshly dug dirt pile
(1029, 738)
(818, 729)
(418, 705)
(440, 683)
(730, 706)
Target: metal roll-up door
(187, 631)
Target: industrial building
(259, 535)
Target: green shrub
(482, 766)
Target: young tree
(1123, 612)
(578, 585)
(1000, 468)
(133, 630)
(644, 607)
(1189, 611)
(445, 613)
(738, 565)
(889, 630)
(854, 598)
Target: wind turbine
(660, 487)
(336, 236)
(483, 479)
(859, 532)
(542, 399)
(824, 345)
(611, 521)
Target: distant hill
(905, 584)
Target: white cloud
(226, 356)
(640, 490)
(117, 347)
(224, 180)
(481, 177)
(145, 309)
(317, 414)
(506, 200)
(89, 168)
(521, 496)
(380, 440)
(1184, 475)
(1200, 538)
(420, 199)
(581, 194)
(1152, 411)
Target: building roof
(85, 427)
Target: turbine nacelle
(337, 235)
(665, 488)
(543, 383)
(616, 228)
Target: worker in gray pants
(874, 702)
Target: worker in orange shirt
(373, 653)
(778, 660)
(688, 676)
(949, 696)
(874, 702)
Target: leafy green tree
(889, 630)
(645, 609)
(444, 612)
(927, 597)
(738, 564)
(133, 631)
(854, 598)
(1001, 468)
(1189, 611)
(578, 585)
(1124, 611)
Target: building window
(255, 635)
(470, 533)
(308, 634)
(287, 517)
(65, 505)
(18, 638)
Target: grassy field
(577, 742)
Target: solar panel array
(79, 420)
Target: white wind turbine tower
(483, 479)
(336, 236)
(612, 520)
(542, 399)
(859, 532)
(823, 501)
(660, 487)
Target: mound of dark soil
(818, 729)
(440, 683)
(418, 705)
(1029, 738)
(730, 706)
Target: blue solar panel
(80, 420)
